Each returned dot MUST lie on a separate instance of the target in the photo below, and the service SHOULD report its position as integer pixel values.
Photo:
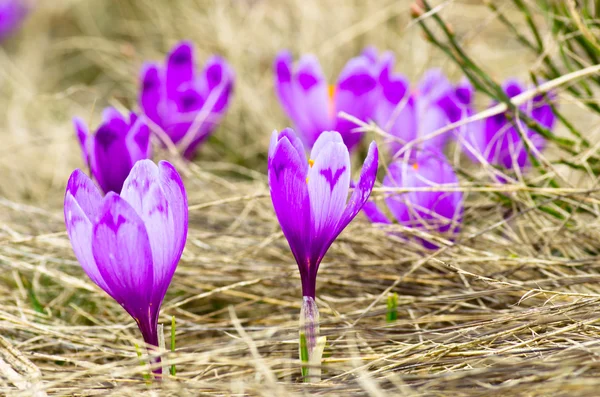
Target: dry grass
(509, 309)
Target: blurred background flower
(12, 15)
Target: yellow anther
(331, 91)
(307, 180)
(416, 166)
(311, 162)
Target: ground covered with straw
(510, 308)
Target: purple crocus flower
(185, 104)
(313, 106)
(115, 147)
(310, 199)
(496, 140)
(12, 14)
(130, 244)
(431, 210)
(407, 115)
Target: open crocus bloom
(433, 211)
(496, 140)
(313, 106)
(406, 115)
(12, 14)
(130, 244)
(186, 105)
(115, 147)
(310, 198)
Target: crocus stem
(309, 335)
(149, 331)
(173, 370)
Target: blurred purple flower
(185, 104)
(12, 14)
(496, 140)
(310, 198)
(433, 211)
(115, 147)
(407, 115)
(314, 107)
(130, 244)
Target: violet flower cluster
(410, 114)
(184, 104)
(116, 146)
(498, 141)
(175, 100)
(428, 209)
(413, 116)
(130, 240)
(314, 106)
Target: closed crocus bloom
(130, 244)
(414, 115)
(497, 141)
(314, 106)
(311, 202)
(186, 104)
(433, 210)
(116, 146)
(12, 14)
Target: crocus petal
(111, 115)
(313, 109)
(179, 68)
(370, 53)
(428, 210)
(432, 119)
(473, 137)
(158, 197)
(434, 85)
(121, 247)
(151, 92)
(283, 83)
(464, 91)
(328, 185)
(374, 213)
(272, 144)
(354, 85)
(111, 158)
(83, 203)
(289, 194)
(395, 111)
(82, 136)
(294, 140)
(219, 81)
(138, 140)
(512, 87)
(323, 141)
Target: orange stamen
(331, 92)
(311, 162)
(416, 166)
